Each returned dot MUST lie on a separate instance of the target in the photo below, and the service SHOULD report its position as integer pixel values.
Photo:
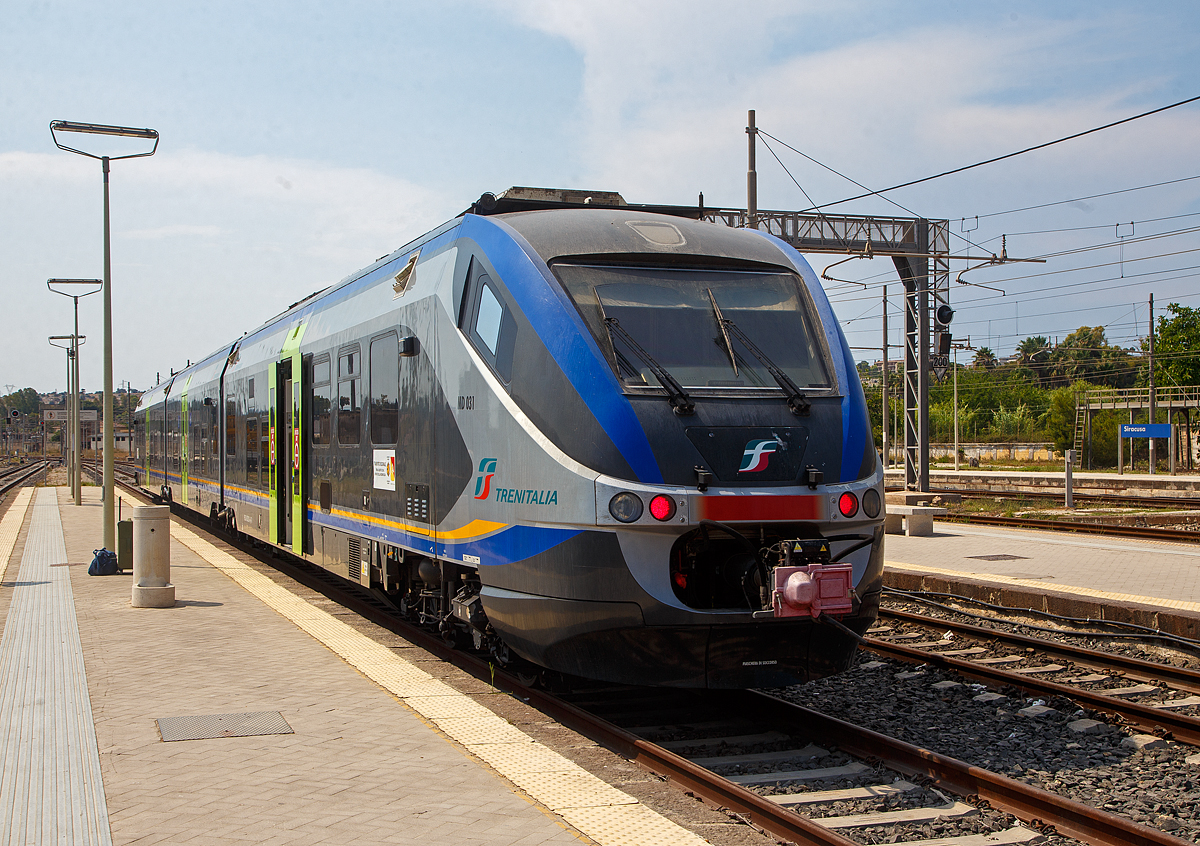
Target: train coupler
(813, 590)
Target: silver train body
(615, 443)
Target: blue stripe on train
(568, 340)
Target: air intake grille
(355, 559)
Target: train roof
(637, 234)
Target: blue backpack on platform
(104, 564)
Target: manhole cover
(1001, 557)
(210, 726)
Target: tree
(25, 401)
(1086, 355)
(1177, 347)
(1033, 347)
(985, 358)
(1035, 354)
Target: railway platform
(1151, 583)
(249, 714)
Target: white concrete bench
(911, 520)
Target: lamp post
(64, 287)
(72, 348)
(57, 126)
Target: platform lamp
(72, 348)
(66, 288)
(57, 126)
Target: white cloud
(205, 247)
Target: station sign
(1145, 430)
(61, 415)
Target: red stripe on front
(727, 508)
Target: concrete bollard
(152, 586)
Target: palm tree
(985, 359)
(1035, 354)
(1033, 349)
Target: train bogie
(617, 444)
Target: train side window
(252, 448)
(385, 382)
(488, 322)
(214, 431)
(321, 407)
(230, 426)
(349, 413)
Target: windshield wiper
(724, 331)
(797, 402)
(681, 403)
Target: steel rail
(22, 477)
(1132, 500)
(1031, 804)
(1184, 728)
(1178, 677)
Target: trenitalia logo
(483, 482)
(757, 455)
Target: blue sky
(302, 140)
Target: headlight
(870, 503)
(625, 507)
(848, 504)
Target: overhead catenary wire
(995, 159)
(1081, 199)
(843, 176)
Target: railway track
(1020, 662)
(1078, 527)
(703, 719)
(1121, 501)
(16, 476)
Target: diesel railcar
(614, 441)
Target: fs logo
(757, 454)
(483, 482)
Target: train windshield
(681, 321)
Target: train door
(289, 510)
(183, 442)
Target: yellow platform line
(10, 526)
(1043, 586)
(605, 814)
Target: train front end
(694, 378)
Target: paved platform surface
(1152, 573)
(380, 751)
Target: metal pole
(1070, 459)
(1152, 415)
(954, 363)
(887, 454)
(77, 488)
(751, 179)
(68, 458)
(110, 511)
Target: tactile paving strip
(509, 751)
(212, 726)
(10, 526)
